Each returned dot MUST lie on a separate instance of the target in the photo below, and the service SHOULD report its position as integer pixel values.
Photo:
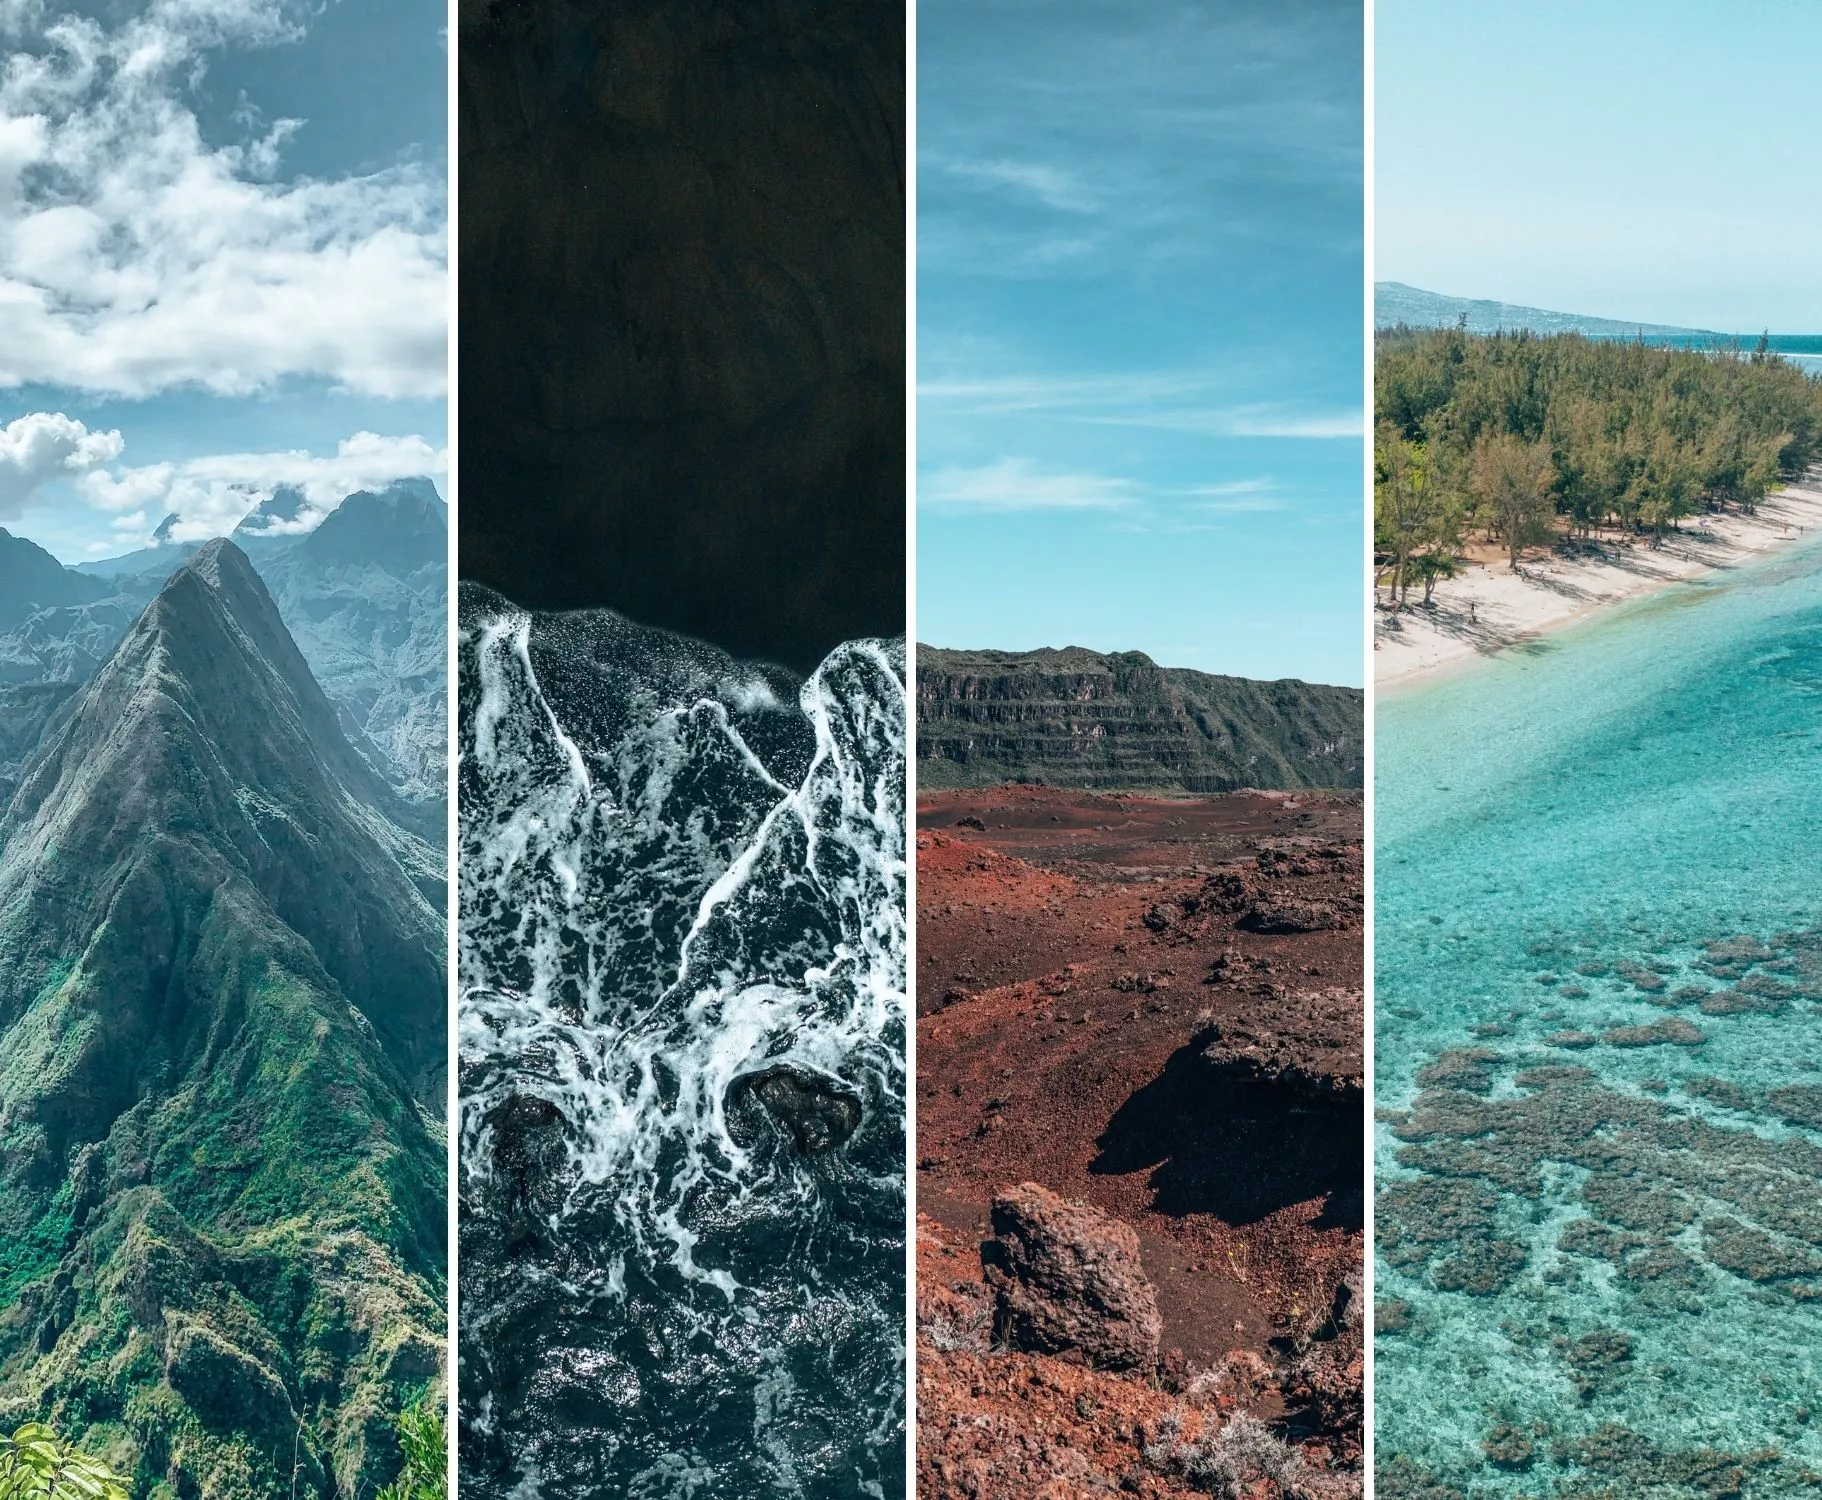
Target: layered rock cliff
(1080, 718)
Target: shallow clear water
(1599, 1046)
(681, 876)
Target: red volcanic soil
(1097, 1016)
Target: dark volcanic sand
(1059, 1040)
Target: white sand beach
(1488, 607)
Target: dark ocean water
(1599, 1053)
(683, 890)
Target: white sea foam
(650, 914)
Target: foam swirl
(676, 883)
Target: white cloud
(1001, 393)
(210, 495)
(42, 446)
(1248, 421)
(1238, 497)
(1016, 484)
(1050, 186)
(136, 257)
(1173, 401)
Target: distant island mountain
(1394, 303)
(1080, 718)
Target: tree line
(1521, 438)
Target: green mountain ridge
(1078, 718)
(222, 1221)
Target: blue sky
(1140, 269)
(1640, 159)
(222, 259)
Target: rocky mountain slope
(366, 597)
(221, 1052)
(364, 594)
(31, 579)
(1079, 718)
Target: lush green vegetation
(1523, 439)
(36, 1464)
(425, 1475)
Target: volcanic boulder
(1067, 1277)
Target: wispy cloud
(1061, 393)
(1247, 422)
(1018, 484)
(1053, 187)
(1240, 497)
(1171, 401)
(136, 257)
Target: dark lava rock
(1393, 1317)
(529, 1156)
(1278, 914)
(1226, 891)
(971, 822)
(1067, 1277)
(1307, 1070)
(819, 1115)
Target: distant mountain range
(1395, 303)
(1082, 719)
(222, 1034)
(364, 591)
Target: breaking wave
(682, 1025)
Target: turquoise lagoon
(1598, 1018)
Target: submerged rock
(818, 1115)
(1067, 1277)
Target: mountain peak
(205, 727)
(214, 629)
(400, 528)
(285, 513)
